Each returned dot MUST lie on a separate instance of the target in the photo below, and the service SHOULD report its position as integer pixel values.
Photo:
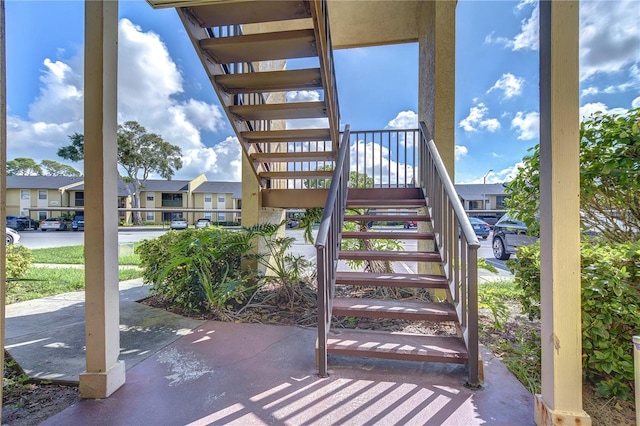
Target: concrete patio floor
(252, 374)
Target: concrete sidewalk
(47, 336)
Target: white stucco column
(104, 372)
(561, 398)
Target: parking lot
(39, 239)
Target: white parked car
(56, 224)
(202, 223)
(12, 236)
(179, 224)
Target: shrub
(610, 309)
(197, 269)
(18, 261)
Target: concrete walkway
(47, 336)
(183, 371)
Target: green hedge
(610, 275)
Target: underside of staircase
(246, 48)
(409, 307)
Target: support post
(3, 184)
(105, 373)
(561, 399)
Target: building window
(171, 200)
(207, 198)
(207, 216)
(239, 204)
(79, 198)
(42, 215)
(150, 197)
(150, 217)
(25, 194)
(475, 205)
(221, 217)
(221, 198)
(42, 195)
(500, 201)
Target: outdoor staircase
(244, 46)
(383, 344)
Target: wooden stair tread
(271, 81)
(232, 13)
(261, 46)
(401, 346)
(308, 174)
(281, 157)
(410, 310)
(384, 217)
(393, 256)
(386, 203)
(281, 111)
(293, 135)
(391, 279)
(389, 235)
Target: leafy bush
(198, 269)
(610, 309)
(18, 261)
(609, 183)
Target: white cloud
(460, 151)
(590, 91)
(591, 108)
(379, 165)
(507, 174)
(222, 162)
(148, 82)
(636, 102)
(496, 155)
(526, 125)
(404, 120)
(476, 120)
(509, 84)
(527, 39)
(609, 36)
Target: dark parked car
(410, 224)
(78, 222)
(480, 227)
(508, 235)
(20, 223)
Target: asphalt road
(39, 239)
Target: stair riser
(461, 359)
(393, 315)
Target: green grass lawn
(52, 281)
(74, 255)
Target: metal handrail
(457, 243)
(319, 11)
(327, 245)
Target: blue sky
(163, 86)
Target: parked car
(202, 223)
(480, 227)
(56, 224)
(12, 236)
(178, 223)
(508, 235)
(78, 222)
(293, 223)
(410, 224)
(20, 223)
